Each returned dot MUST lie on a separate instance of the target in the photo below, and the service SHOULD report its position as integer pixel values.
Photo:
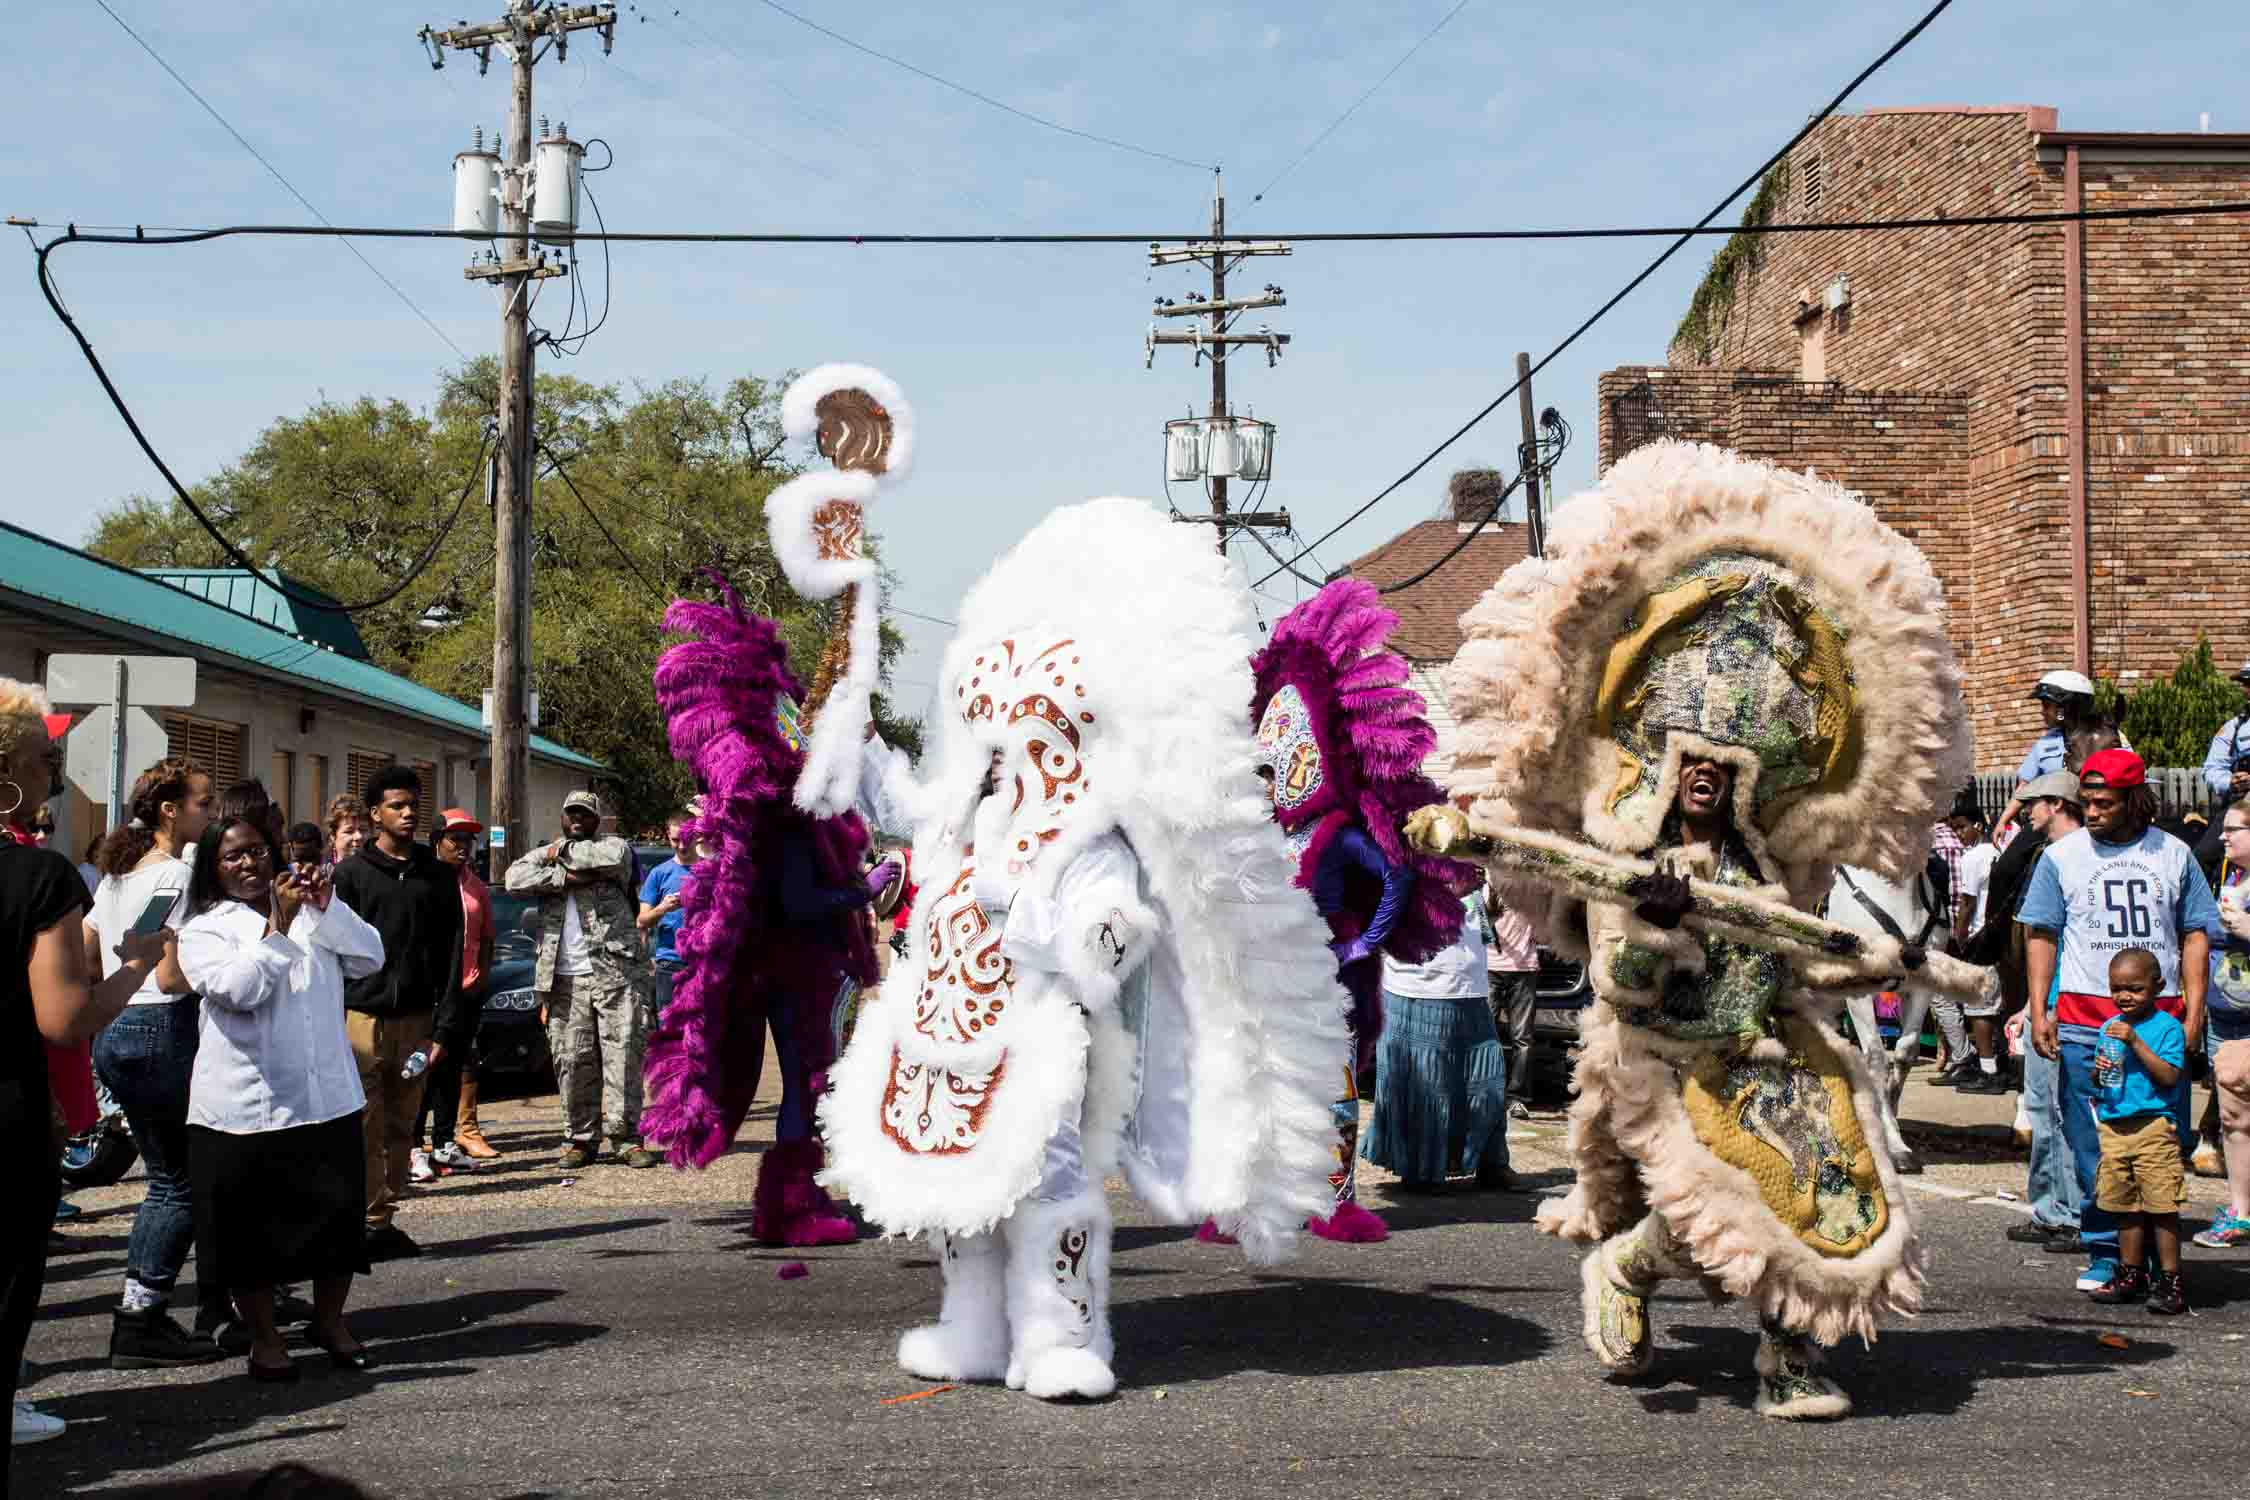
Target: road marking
(1965, 1195)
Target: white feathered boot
(969, 1341)
(1058, 1298)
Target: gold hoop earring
(11, 809)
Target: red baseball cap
(2115, 769)
(457, 820)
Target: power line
(244, 143)
(918, 615)
(592, 515)
(1337, 123)
(962, 88)
(1651, 269)
(177, 234)
(242, 559)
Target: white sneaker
(34, 1425)
(419, 1168)
(451, 1157)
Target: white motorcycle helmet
(2064, 688)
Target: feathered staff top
(1345, 738)
(727, 695)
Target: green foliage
(2170, 720)
(1699, 330)
(347, 495)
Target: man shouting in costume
(1738, 676)
(1108, 970)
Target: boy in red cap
(2118, 883)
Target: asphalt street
(618, 1334)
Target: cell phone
(152, 915)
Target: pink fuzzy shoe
(1209, 1234)
(1351, 1224)
(789, 1208)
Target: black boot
(152, 1340)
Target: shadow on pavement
(125, 1429)
(518, 1239)
(1323, 1327)
(1909, 1372)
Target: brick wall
(2168, 416)
(1957, 338)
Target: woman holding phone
(274, 1110)
(145, 1058)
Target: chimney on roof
(1472, 493)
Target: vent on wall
(1809, 196)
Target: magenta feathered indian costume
(747, 963)
(1343, 738)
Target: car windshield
(510, 939)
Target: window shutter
(211, 747)
(363, 766)
(426, 774)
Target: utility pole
(1527, 459)
(1229, 446)
(519, 36)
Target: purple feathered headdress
(722, 690)
(1346, 738)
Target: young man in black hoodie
(413, 898)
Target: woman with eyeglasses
(276, 1156)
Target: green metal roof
(51, 578)
(247, 594)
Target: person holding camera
(275, 1152)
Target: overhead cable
(275, 171)
(242, 559)
(1337, 123)
(595, 516)
(176, 234)
(962, 88)
(1652, 267)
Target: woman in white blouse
(274, 1109)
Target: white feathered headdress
(1159, 638)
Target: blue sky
(1026, 365)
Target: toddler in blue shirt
(2137, 1064)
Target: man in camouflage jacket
(593, 981)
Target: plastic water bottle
(416, 1065)
(2109, 1065)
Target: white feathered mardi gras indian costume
(1109, 968)
(1706, 606)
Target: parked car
(510, 1039)
(1564, 994)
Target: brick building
(2059, 415)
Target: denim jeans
(2053, 1186)
(2097, 1227)
(145, 1058)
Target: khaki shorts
(2141, 1171)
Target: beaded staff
(862, 423)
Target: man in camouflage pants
(593, 982)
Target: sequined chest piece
(930, 1108)
(966, 982)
